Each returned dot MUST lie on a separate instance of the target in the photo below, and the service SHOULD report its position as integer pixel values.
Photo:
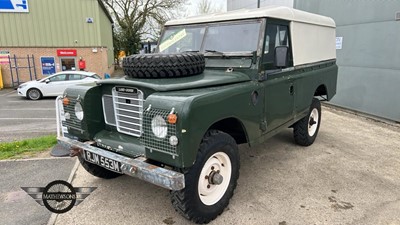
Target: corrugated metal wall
(369, 68)
(56, 23)
(106, 35)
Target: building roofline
(102, 6)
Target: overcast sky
(192, 6)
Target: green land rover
(216, 81)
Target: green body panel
(251, 102)
(205, 100)
(113, 140)
(208, 78)
(199, 109)
(93, 121)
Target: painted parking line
(29, 109)
(8, 93)
(41, 101)
(27, 118)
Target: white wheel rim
(211, 193)
(313, 122)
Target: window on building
(68, 64)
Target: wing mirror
(281, 56)
(47, 81)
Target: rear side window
(61, 77)
(75, 77)
(96, 76)
(277, 35)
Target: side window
(61, 77)
(276, 35)
(75, 77)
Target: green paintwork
(93, 121)
(216, 98)
(208, 78)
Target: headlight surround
(159, 126)
(79, 111)
(22, 86)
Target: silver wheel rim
(313, 122)
(211, 193)
(34, 94)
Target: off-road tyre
(306, 130)
(187, 201)
(34, 94)
(163, 65)
(97, 171)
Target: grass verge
(19, 148)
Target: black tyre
(34, 94)
(306, 130)
(210, 182)
(98, 171)
(163, 65)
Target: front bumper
(135, 167)
(21, 92)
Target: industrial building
(367, 49)
(42, 37)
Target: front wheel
(210, 182)
(305, 130)
(34, 94)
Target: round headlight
(159, 127)
(78, 111)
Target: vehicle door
(279, 90)
(54, 84)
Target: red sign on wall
(66, 52)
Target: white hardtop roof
(278, 12)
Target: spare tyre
(163, 65)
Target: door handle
(291, 90)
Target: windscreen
(218, 37)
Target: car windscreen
(218, 37)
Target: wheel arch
(321, 90)
(232, 126)
(30, 88)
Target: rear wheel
(98, 171)
(34, 94)
(210, 182)
(305, 130)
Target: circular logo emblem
(59, 196)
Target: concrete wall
(369, 68)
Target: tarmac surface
(21, 118)
(350, 175)
(16, 206)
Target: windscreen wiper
(190, 51)
(214, 51)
